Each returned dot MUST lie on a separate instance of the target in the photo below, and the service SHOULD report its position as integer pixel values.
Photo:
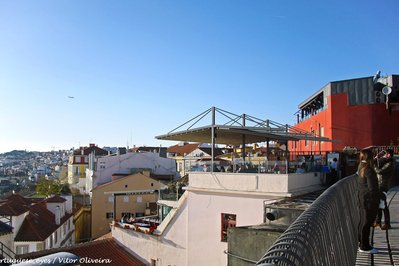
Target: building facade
(352, 113)
(101, 169)
(38, 224)
(194, 232)
(78, 163)
(132, 195)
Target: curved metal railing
(325, 234)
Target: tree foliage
(47, 187)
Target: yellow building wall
(82, 170)
(82, 221)
(103, 203)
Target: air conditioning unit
(379, 97)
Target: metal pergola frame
(237, 130)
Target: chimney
(57, 215)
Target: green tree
(48, 187)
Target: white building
(101, 169)
(38, 224)
(195, 230)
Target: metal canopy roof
(235, 132)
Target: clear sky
(138, 69)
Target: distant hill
(18, 153)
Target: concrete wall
(261, 183)
(249, 243)
(16, 222)
(204, 223)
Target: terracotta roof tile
(39, 224)
(161, 177)
(100, 249)
(87, 150)
(56, 199)
(14, 205)
(181, 150)
(216, 151)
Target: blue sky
(138, 69)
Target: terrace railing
(325, 234)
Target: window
(139, 199)
(126, 199)
(110, 215)
(312, 134)
(39, 246)
(110, 198)
(55, 237)
(228, 220)
(22, 249)
(322, 133)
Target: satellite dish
(386, 90)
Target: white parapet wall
(283, 184)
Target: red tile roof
(14, 205)
(39, 224)
(182, 149)
(108, 249)
(87, 150)
(161, 177)
(55, 199)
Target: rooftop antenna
(380, 83)
(376, 76)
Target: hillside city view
(19, 170)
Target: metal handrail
(325, 234)
(4, 250)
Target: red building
(352, 113)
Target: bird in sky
(71, 97)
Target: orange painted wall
(356, 126)
(324, 119)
